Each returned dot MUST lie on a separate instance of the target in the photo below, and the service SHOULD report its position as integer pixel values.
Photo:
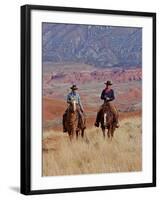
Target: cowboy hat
(108, 83)
(74, 87)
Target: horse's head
(72, 106)
(107, 116)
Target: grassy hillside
(94, 154)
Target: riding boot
(97, 119)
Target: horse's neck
(72, 115)
(72, 119)
(106, 108)
(74, 106)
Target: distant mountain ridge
(93, 76)
(100, 46)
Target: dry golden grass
(122, 154)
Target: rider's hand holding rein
(107, 98)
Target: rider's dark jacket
(107, 95)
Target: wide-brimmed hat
(74, 87)
(108, 83)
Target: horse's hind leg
(103, 131)
(82, 133)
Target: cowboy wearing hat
(108, 96)
(74, 95)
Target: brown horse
(107, 121)
(74, 125)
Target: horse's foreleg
(70, 133)
(108, 132)
(77, 133)
(70, 137)
(112, 131)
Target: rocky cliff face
(80, 77)
(99, 46)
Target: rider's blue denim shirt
(76, 97)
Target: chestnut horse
(73, 124)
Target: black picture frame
(26, 98)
